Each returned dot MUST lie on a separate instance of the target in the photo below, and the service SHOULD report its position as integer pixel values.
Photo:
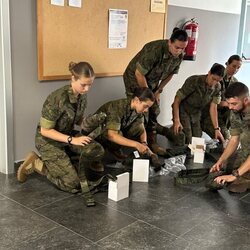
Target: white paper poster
(118, 29)
(158, 6)
(57, 2)
(75, 3)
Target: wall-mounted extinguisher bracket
(192, 29)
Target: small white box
(119, 189)
(199, 155)
(198, 149)
(140, 170)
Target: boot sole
(21, 176)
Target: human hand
(81, 140)
(219, 136)
(224, 179)
(177, 127)
(142, 148)
(216, 167)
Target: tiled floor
(157, 215)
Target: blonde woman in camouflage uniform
(55, 141)
(232, 67)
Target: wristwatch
(69, 139)
(235, 173)
(218, 128)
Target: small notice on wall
(118, 29)
(158, 6)
(57, 2)
(75, 3)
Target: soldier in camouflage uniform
(235, 161)
(56, 142)
(153, 67)
(197, 92)
(124, 124)
(232, 66)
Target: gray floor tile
(138, 235)
(219, 234)
(18, 223)
(140, 204)
(93, 223)
(35, 192)
(182, 244)
(246, 198)
(186, 213)
(58, 238)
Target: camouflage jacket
(119, 114)
(195, 94)
(224, 83)
(61, 111)
(155, 62)
(240, 126)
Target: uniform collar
(72, 97)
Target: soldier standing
(232, 66)
(197, 92)
(56, 142)
(153, 67)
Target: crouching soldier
(56, 142)
(233, 165)
(125, 124)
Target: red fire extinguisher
(192, 29)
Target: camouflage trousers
(59, 158)
(191, 126)
(234, 162)
(223, 121)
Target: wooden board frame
(66, 34)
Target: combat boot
(153, 144)
(240, 185)
(155, 163)
(96, 166)
(177, 140)
(31, 164)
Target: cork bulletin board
(66, 34)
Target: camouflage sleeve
(147, 60)
(187, 88)
(50, 113)
(217, 95)
(235, 128)
(113, 121)
(176, 69)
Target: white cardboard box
(140, 170)
(119, 189)
(198, 149)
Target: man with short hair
(235, 161)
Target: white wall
(227, 6)
(6, 124)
